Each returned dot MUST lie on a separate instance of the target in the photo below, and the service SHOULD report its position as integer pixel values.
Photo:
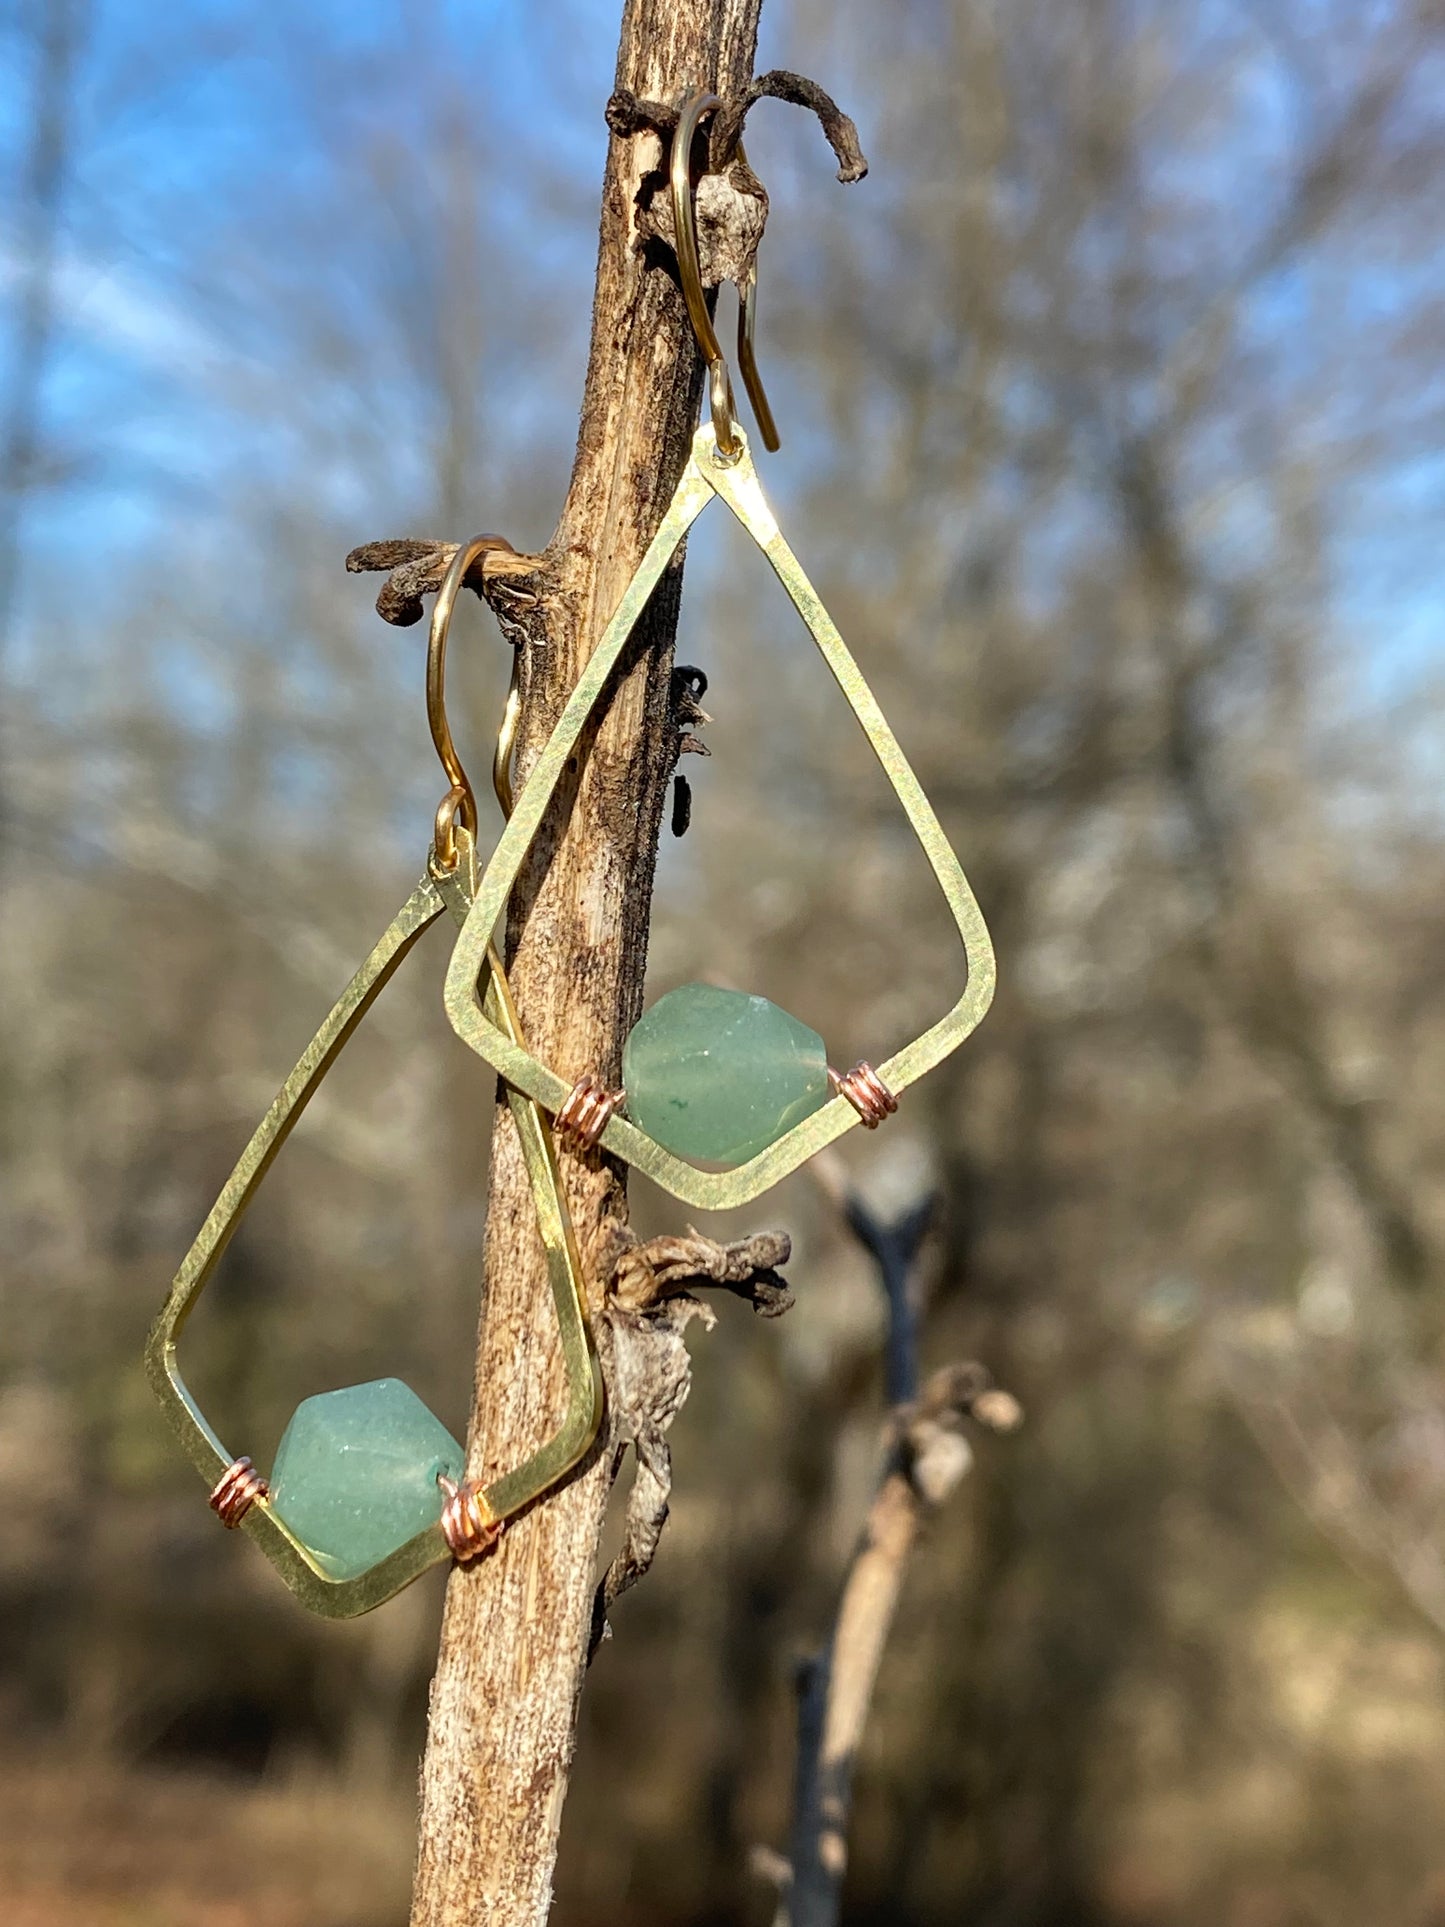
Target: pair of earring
(368, 1489)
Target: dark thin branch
(894, 1245)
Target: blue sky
(206, 165)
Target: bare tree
(58, 34)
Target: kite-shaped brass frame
(438, 891)
(735, 481)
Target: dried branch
(646, 1274)
(925, 1455)
(798, 91)
(415, 567)
(627, 115)
(649, 1371)
(516, 1629)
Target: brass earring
(368, 1490)
(670, 1111)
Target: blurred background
(1114, 437)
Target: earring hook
(748, 362)
(684, 220)
(460, 803)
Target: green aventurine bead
(356, 1473)
(718, 1076)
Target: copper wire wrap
(584, 1117)
(236, 1491)
(467, 1525)
(866, 1092)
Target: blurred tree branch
(1199, 629)
(59, 32)
(925, 1455)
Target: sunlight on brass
(736, 483)
(343, 1598)
(450, 812)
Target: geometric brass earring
(368, 1491)
(713, 1076)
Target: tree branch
(415, 567)
(626, 114)
(517, 1627)
(925, 1455)
(649, 1309)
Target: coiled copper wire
(467, 1523)
(584, 1117)
(866, 1092)
(236, 1491)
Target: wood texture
(515, 1631)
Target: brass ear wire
(474, 1511)
(684, 221)
(507, 742)
(863, 1096)
(459, 805)
(748, 361)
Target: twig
(626, 114)
(925, 1455)
(798, 91)
(644, 1275)
(415, 566)
(649, 1307)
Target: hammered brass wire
(315, 1588)
(504, 1496)
(448, 885)
(748, 360)
(693, 112)
(736, 483)
(689, 267)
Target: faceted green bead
(717, 1075)
(356, 1473)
